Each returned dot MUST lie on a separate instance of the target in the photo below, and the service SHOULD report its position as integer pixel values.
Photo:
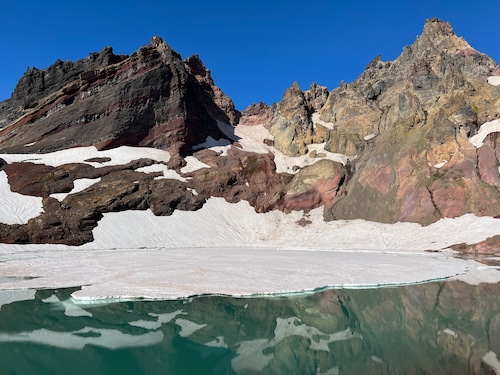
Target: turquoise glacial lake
(436, 328)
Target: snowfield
(16, 208)
(485, 129)
(494, 80)
(229, 248)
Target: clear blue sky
(255, 49)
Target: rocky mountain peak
(166, 52)
(439, 36)
(204, 77)
(438, 44)
(157, 41)
(394, 145)
(106, 57)
(434, 28)
(150, 98)
(404, 124)
(199, 69)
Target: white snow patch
(193, 191)
(154, 168)
(494, 80)
(220, 146)
(320, 148)
(222, 224)
(29, 144)
(119, 156)
(369, 136)
(441, 164)
(78, 186)
(17, 208)
(167, 173)
(478, 273)
(491, 360)
(317, 121)
(193, 164)
(252, 140)
(485, 129)
(171, 175)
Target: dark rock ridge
(150, 98)
(403, 125)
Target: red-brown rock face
(314, 186)
(256, 114)
(406, 125)
(151, 98)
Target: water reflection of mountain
(435, 328)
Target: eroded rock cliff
(403, 142)
(150, 98)
(406, 124)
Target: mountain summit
(414, 139)
(151, 98)
(406, 125)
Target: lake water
(435, 328)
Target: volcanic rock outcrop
(408, 124)
(150, 98)
(403, 142)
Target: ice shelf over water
(138, 255)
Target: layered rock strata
(151, 98)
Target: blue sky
(255, 49)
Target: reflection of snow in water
(106, 338)
(10, 296)
(70, 309)
(159, 320)
(254, 355)
(188, 327)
